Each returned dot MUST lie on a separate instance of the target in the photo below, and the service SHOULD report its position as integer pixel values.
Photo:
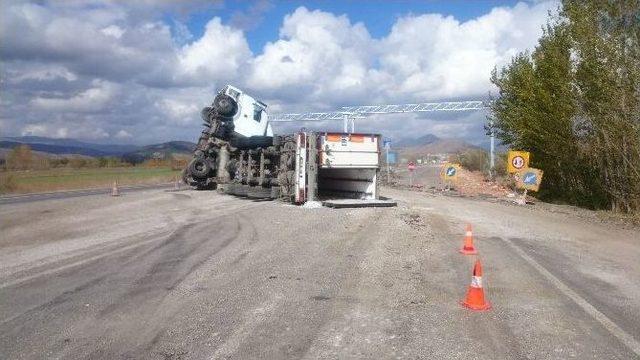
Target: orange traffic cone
(114, 189)
(475, 294)
(468, 248)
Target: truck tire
(199, 168)
(225, 105)
(206, 114)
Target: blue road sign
(449, 172)
(529, 178)
(386, 143)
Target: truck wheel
(225, 105)
(206, 185)
(206, 114)
(199, 168)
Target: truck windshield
(257, 113)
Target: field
(30, 181)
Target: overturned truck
(238, 154)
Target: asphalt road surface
(157, 274)
(23, 198)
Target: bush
(8, 184)
(474, 160)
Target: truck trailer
(238, 154)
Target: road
(157, 274)
(23, 198)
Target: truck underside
(292, 167)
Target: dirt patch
(414, 220)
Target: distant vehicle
(238, 154)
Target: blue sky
(378, 16)
(140, 71)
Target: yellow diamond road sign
(530, 179)
(517, 160)
(450, 171)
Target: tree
(607, 77)
(20, 158)
(574, 103)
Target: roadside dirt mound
(473, 183)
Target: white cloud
(123, 134)
(43, 73)
(113, 30)
(434, 57)
(94, 99)
(217, 55)
(56, 131)
(178, 111)
(317, 51)
(35, 130)
(98, 69)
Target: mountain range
(431, 144)
(132, 153)
(411, 147)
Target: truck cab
(251, 117)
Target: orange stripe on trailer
(357, 138)
(334, 137)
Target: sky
(140, 71)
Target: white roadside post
(387, 145)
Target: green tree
(574, 103)
(607, 77)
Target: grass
(31, 181)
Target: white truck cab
(252, 118)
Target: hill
(61, 146)
(56, 149)
(68, 147)
(423, 140)
(431, 144)
(159, 151)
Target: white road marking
(608, 324)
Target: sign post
(411, 167)
(449, 173)
(528, 179)
(517, 160)
(387, 145)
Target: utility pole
(492, 160)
